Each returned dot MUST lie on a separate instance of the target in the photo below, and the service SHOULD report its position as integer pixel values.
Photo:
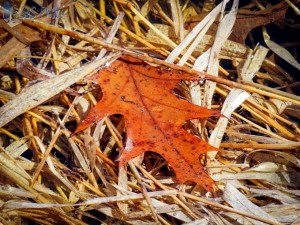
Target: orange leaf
(153, 115)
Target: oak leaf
(154, 116)
(246, 20)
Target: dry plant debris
(51, 175)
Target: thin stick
(257, 89)
(244, 146)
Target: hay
(50, 176)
